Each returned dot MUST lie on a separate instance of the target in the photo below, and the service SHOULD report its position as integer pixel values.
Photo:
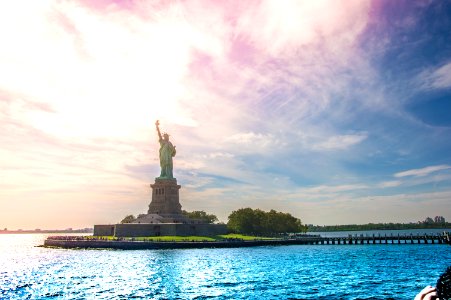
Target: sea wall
(103, 230)
(163, 229)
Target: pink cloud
(109, 5)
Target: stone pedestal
(165, 198)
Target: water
(281, 272)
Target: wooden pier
(442, 238)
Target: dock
(442, 238)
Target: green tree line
(259, 222)
(201, 215)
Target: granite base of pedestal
(165, 197)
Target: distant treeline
(437, 222)
(378, 226)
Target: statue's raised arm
(157, 123)
(167, 151)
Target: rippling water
(281, 272)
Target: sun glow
(119, 79)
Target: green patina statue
(167, 151)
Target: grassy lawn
(187, 238)
(176, 238)
(105, 237)
(242, 237)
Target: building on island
(164, 216)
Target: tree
(200, 215)
(128, 219)
(250, 221)
(246, 220)
(283, 222)
(428, 221)
(439, 219)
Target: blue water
(280, 272)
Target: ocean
(276, 272)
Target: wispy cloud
(250, 142)
(340, 142)
(388, 184)
(423, 171)
(436, 78)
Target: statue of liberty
(167, 151)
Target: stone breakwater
(131, 244)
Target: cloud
(282, 28)
(438, 78)
(254, 142)
(340, 142)
(333, 189)
(423, 171)
(417, 177)
(388, 184)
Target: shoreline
(131, 244)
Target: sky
(338, 112)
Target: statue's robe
(167, 151)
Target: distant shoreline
(311, 228)
(381, 226)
